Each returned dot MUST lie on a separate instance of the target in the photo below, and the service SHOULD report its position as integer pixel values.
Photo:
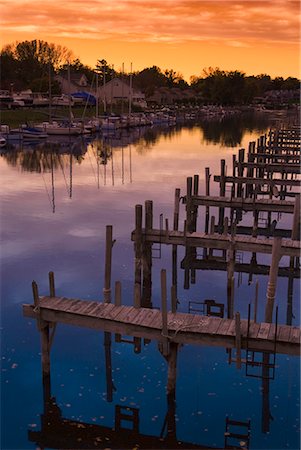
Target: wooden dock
(246, 204)
(180, 327)
(289, 247)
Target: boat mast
(96, 111)
(130, 94)
(104, 89)
(69, 92)
(122, 79)
(49, 88)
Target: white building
(117, 90)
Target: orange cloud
(263, 35)
(153, 21)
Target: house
(78, 83)
(117, 90)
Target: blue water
(43, 229)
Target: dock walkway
(181, 327)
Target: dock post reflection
(146, 300)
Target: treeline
(31, 64)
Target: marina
(155, 302)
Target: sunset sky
(185, 35)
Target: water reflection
(229, 132)
(70, 243)
(60, 431)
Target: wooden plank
(140, 316)
(74, 306)
(224, 326)
(231, 329)
(113, 313)
(254, 329)
(263, 331)
(295, 335)
(91, 306)
(84, 307)
(214, 325)
(60, 305)
(127, 314)
(283, 333)
(271, 335)
(94, 310)
(195, 323)
(104, 312)
(157, 322)
(149, 317)
(243, 327)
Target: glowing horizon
(185, 35)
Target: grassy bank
(16, 117)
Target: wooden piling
(146, 254)
(51, 284)
(164, 302)
(296, 219)
(138, 255)
(35, 293)
(189, 214)
(207, 178)
(230, 282)
(271, 288)
(175, 252)
(256, 300)
(222, 193)
(108, 264)
(164, 311)
(241, 157)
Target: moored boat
(58, 128)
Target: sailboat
(66, 127)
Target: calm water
(56, 201)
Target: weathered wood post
(207, 213)
(189, 229)
(189, 212)
(222, 192)
(138, 254)
(250, 172)
(296, 219)
(230, 281)
(51, 284)
(256, 301)
(241, 158)
(146, 300)
(194, 223)
(234, 167)
(290, 289)
(108, 264)
(174, 287)
(271, 288)
(225, 233)
(164, 312)
(212, 231)
(207, 180)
